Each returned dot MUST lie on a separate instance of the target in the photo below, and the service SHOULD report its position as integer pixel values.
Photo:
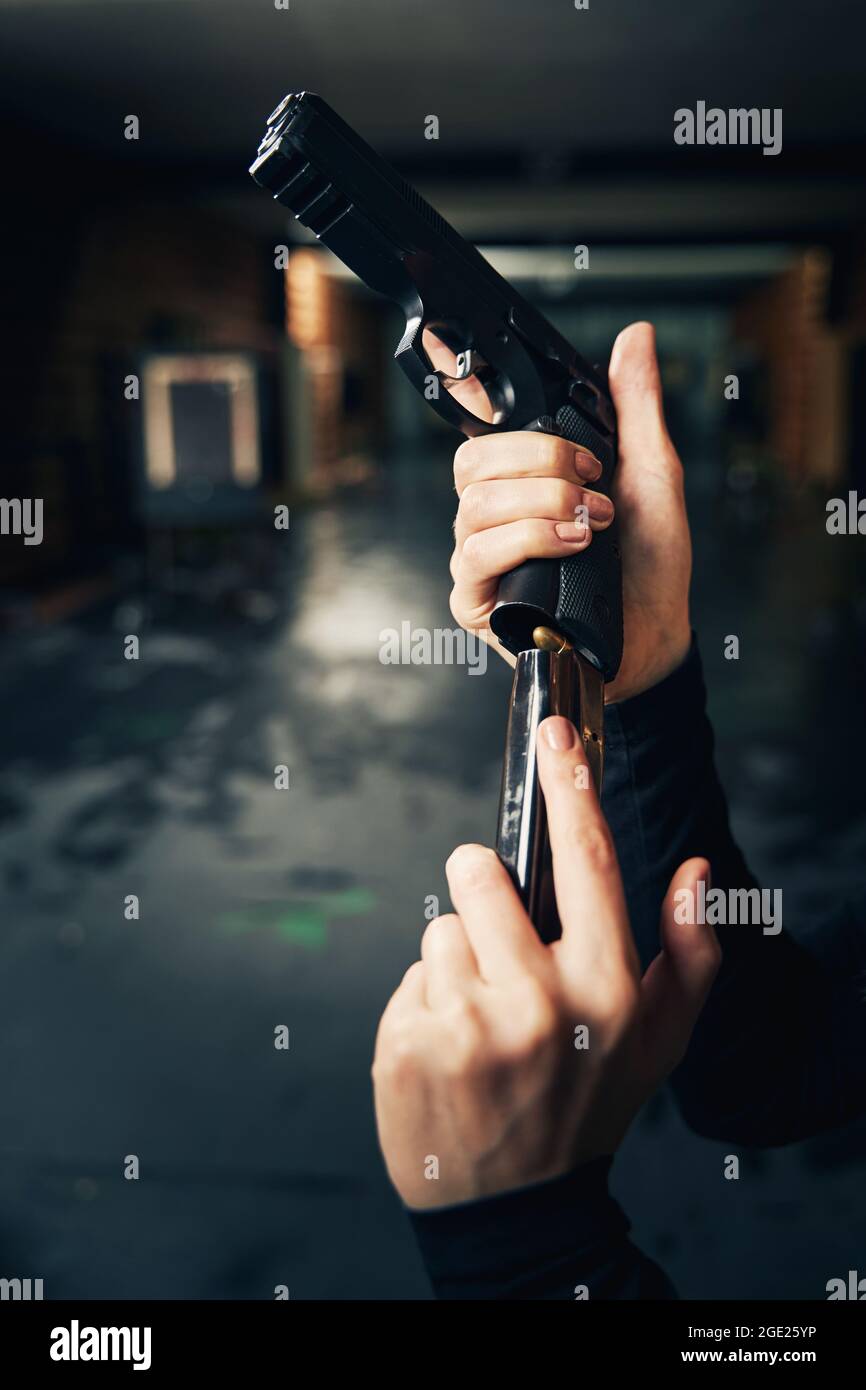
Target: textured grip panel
(589, 607)
(581, 595)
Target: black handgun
(562, 619)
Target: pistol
(561, 619)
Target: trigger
(468, 363)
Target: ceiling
(536, 78)
(555, 124)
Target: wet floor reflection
(302, 907)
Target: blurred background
(170, 376)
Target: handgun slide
(371, 219)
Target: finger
(410, 995)
(450, 964)
(522, 454)
(501, 500)
(636, 387)
(502, 937)
(470, 393)
(675, 986)
(589, 891)
(485, 556)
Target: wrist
(502, 1246)
(666, 659)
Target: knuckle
(534, 537)
(616, 1006)
(597, 847)
(471, 504)
(415, 970)
(456, 607)
(537, 1020)
(465, 1050)
(438, 930)
(463, 464)
(547, 453)
(566, 496)
(474, 550)
(396, 1055)
(526, 532)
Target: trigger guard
(526, 385)
(419, 370)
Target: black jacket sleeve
(562, 1239)
(779, 1051)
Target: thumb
(636, 387)
(675, 986)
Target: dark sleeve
(779, 1051)
(562, 1239)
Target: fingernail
(587, 466)
(559, 733)
(599, 507)
(573, 531)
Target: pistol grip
(581, 595)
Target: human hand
(518, 493)
(508, 1061)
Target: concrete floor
(303, 907)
